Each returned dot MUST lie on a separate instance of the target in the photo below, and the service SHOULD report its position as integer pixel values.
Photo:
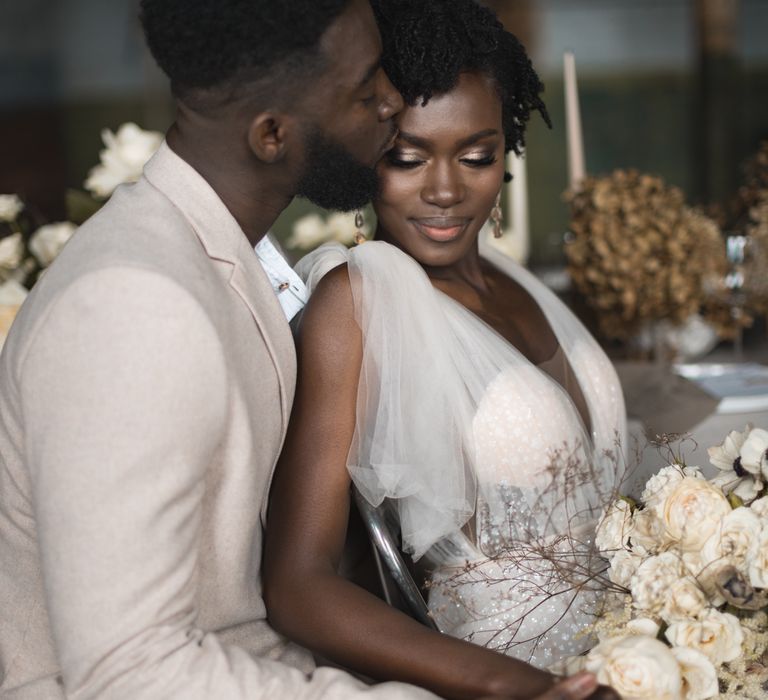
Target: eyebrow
(372, 70)
(420, 142)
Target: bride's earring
(496, 216)
(359, 223)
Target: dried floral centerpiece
(638, 254)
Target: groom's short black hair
(429, 43)
(212, 49)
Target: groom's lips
(441, 228)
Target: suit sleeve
(124, 399)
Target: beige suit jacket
(145, 390)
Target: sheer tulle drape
(440, 396)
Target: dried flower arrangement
(639, 254)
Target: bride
(440, 375)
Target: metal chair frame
(387, 554)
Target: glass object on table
(735, 287)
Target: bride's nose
(443, 187)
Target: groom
(147, 382)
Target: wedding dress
(486, 458)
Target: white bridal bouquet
(691, 562)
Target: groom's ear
(270, 134)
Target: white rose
(684, 600)
(308, 232)
(47, 242)
(341, 227)
(692, 511)
(123, 159)
(724, 456)
(760, 506)
(734, 542)
(757, 566)
(653, 579)
(614, 528)
(699, 675)
(623, 566)
(648, 534)
(10, 207)
(657, 487)
(717, 635)
(11, 251)
(637, 667)
(754, 452)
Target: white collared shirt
(290, 290)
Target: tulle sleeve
(430, 371)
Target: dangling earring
(496, 216)
(359, 223)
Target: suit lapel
(224, 242)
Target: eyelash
(471, 162)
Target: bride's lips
(440, 228)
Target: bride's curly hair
(429, 43)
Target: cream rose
(11, 251)
(652, 581)
(760, 506)
(717, 635)
(47, 242)
(684, 600)
(754, 452)
(623, 566)
(734, 541)
(123, 159)
(637, 667)
(648, 534)
(692, 511)
(699, 675)
(757, 566)
(656, 488)
(614, 529)
(10, 207)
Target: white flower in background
(692, 511)
(757, 566)
(637, 667)
(652, 581)
(754, 452)
(341, 227)
(123, 159)
(699, 675)
(684, 600)
(614, 528)
(724, 456)
(624, 564)
(12, 293)
(11, 251)
(717, 635)
(734, 542)
(308, 232)
(10, 207)
(46, 243)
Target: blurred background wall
(673, 87)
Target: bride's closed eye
(399, 160)
(479, 161)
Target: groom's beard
(333, 178)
